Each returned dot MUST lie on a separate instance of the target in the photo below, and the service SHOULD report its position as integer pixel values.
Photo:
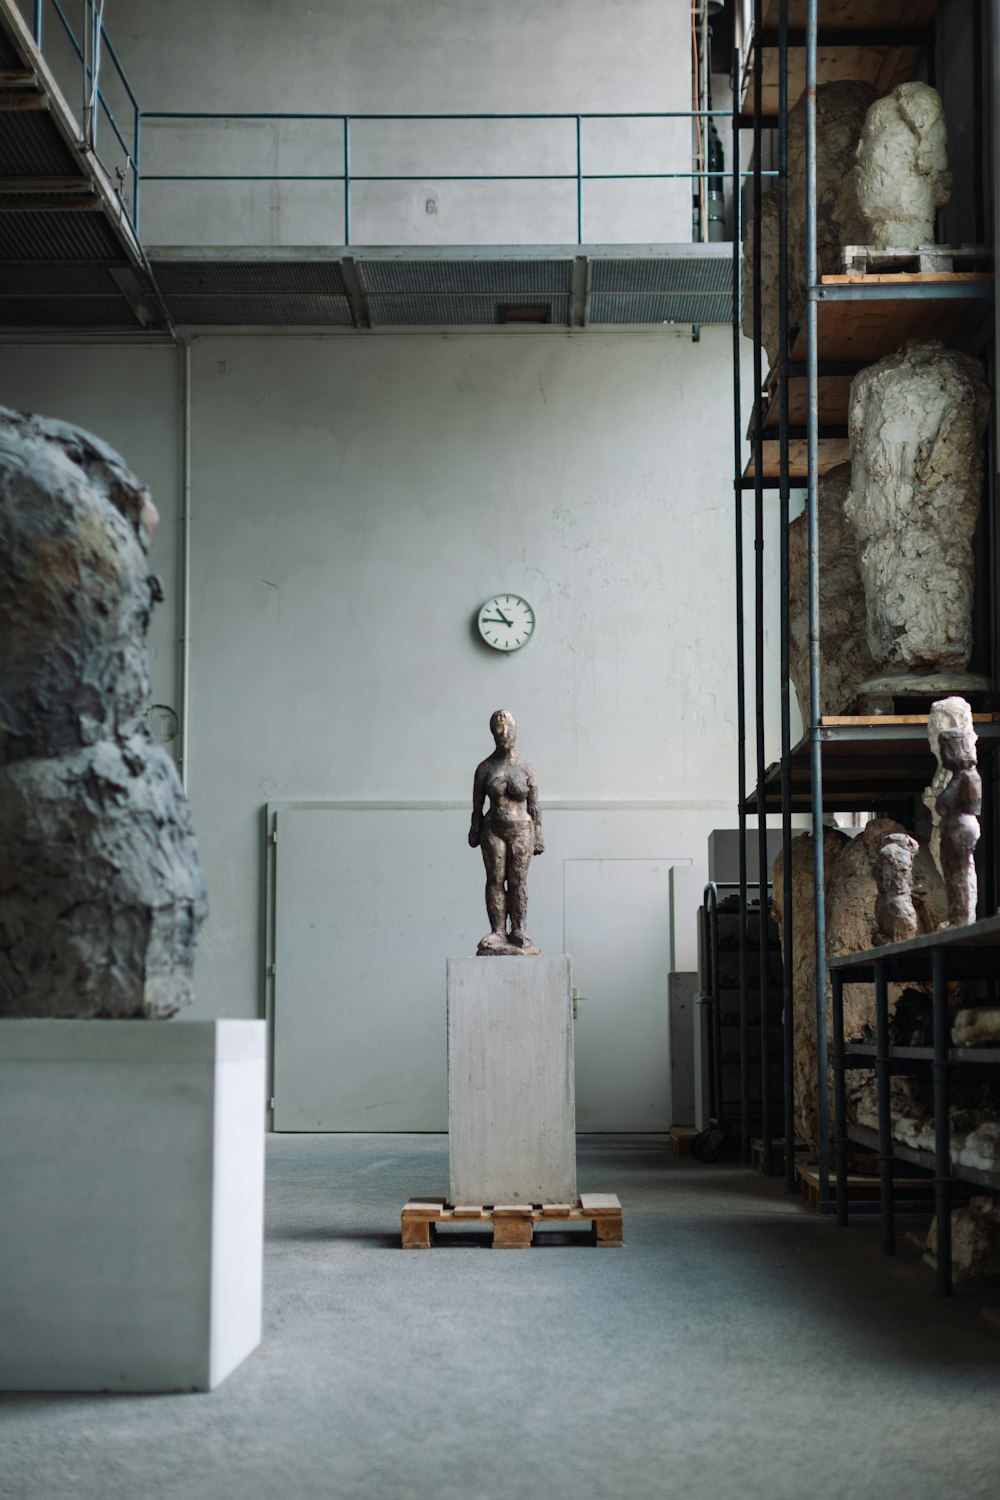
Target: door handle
(577, 997)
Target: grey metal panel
(677, 273)
(697, 308)
(486, 277)
(435, 310)
(278, 310)
(31, 146)
(54, 236)
(359, 987)
(239, 277)
(66, 312)
(53, 281)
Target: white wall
(408, 57)
(355, 499)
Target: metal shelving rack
(966, 953)
(798, 431)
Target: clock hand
(492, 620)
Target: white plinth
(511, 1097)
(131, 1219)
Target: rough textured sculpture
(916, 424)
(851, 894)
(895, 915)
(100, 889)
(946, 713)
(509, 832)
(845, 660)
(959, 806)
(901, 175)
(841, 108)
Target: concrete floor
(738, 1346)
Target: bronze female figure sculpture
(509, 832)
(959, 806)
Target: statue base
(492, 946)
(511, 1097)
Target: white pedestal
(511, 1096)
(132, 1180)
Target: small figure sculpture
(508, 833)
(895, 914)
(959, 806)
(946, 713)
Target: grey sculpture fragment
(509, 832)
(841, 108)
(101, 893)
(845, 660)
(895, 915)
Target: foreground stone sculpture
(509, 832)
(959, 806)
(901, 175)
(841, 108)
(845, 660)
(895, 915)
(100, 888)
(916, 425)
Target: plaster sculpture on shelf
(901, 175)
(841, 108)
(851, 897)
(916, 424)
(845, 660)
(101, 893)
(509, 832)
(946, 713)
(959, 806)
(895, 915)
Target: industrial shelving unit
(798, 431)
(960, 953)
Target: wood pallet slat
(513, 1223)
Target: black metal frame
(966, 953)
(810, 751)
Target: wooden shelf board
(832, 451)
(864, 331)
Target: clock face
(506, 622)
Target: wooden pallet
(681, 1137)
(513, 1223)
(861, 1189)
(865, 260)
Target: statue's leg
(519, 851)
(495, 858)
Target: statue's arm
(478, 803)
(535, 811)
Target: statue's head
(956, 752)
(503, 727)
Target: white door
(617, 922)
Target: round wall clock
(506, 622)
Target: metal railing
(348, 178)
(94, 45)
(90, 49)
